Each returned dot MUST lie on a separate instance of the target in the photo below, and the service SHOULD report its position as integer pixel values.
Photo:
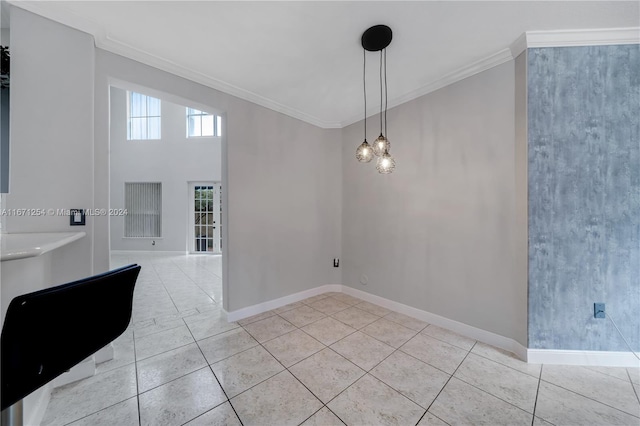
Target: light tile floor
(328, 360)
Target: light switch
(76, 217)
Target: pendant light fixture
(386, 164)
(376, 39)
(364, 153)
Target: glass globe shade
(364, 153)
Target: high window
(200, 123)
(143, 117)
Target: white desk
(24, 245)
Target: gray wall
(174, 160)
(584, 196)
(283, 179)
(439, 234)
(52, 132)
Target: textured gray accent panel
(584, 196)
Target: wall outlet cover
(77, 217)
(598, 310)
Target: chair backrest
(47, 332)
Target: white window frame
(217, 123)
(146, 117)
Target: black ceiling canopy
(376, 38)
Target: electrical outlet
(336, 262)
(598, 310)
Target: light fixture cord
(385, 93)
(364, 85)
(622, 335)
(380, 91)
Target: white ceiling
(305, 58)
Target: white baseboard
(123, 252)
(475, 333)
(86, 368)
(588, 358)
(250, 311)
(460, 328)
(104, 354)
(532, 356)
(35, 404)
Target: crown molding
(529, 39)
(131, 52)
(461, 73)
(519, 45)
(573, 38)
(104, 42)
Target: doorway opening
(165, 139)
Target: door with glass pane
(206, 217)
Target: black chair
(47, 332)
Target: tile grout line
(495, 396)
(449, 343)
(377, 378)
(135, 363)
(415, 402)
(283, 366)
(590, 368)
(165, 287)
(487, 392)
(535, 403)
(215, 377)
(445, 385)
(592, 399)
(357, 366)
(192, 280)
(96, 412)
(319, 409)
(356, 330)
(300, 381)
(168, 350)
(325, 347)
(225, 394)
(328, 346)
(424, 362)
(633, 386)
(505, 365)
(436, 338)
(287, 368)
(362, 330)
